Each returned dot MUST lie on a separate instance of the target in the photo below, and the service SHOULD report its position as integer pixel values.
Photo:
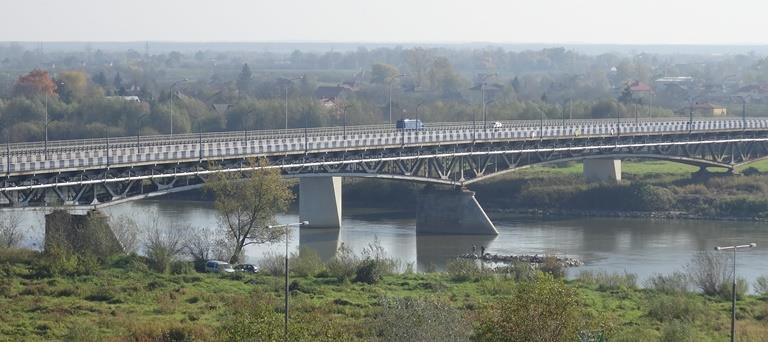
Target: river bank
(653, 215)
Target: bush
(552, 266)
(182, 267)
(727, 288)
(605, 281)
(82, 333)
(463, 270)
(708, 271)
(761, 285)
(665, 308)
(160, 331)
(519, 271)
(675, 283)
(131, 263)
(59, 260)
(370, 271)
(17, 256)
(542, 310)
(272, 264)
(306, 263)
(677, 331)
(410, 319)
(344, 266)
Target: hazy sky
(501, 21)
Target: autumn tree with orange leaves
(37, 82)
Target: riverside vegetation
(58, 295)
(647, 187)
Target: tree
(246, 203)
(383, 73)
(162, 245)
(126, 232)
(73, 85)
(36, 82)
(245, 80)
(443, 78)
(10, 231)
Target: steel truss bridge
(99, 172)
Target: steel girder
(459, 164)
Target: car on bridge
(409, 124)
(216, 266)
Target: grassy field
(125, 302)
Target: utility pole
(733, 288)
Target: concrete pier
(86, 234)
(602, 170)
(452, 212)
(320, 201)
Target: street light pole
(170, 99)
(391, 80)
(285, 226)
(288, 81)
(46, 128)
(733, 288)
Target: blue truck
(409, 124)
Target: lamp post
(138, 133)
(483, 82)
(170, 99)
(743, 99)
(733, 288)
(392, 80)
(289, 81)
(285, 226)
(45, 148)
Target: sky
(388, 21)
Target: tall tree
(383, 73)
(246, 203)
(245, 80)
(37, 82)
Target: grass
(119, 304)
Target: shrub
(306, 263)
(182, 267)
(708, 271)
(162, 247)
(675, 283)
(101, 294)
(542, 310)
(761, 285)
(17, 256)
(552, 266)
(82, 333)
(605, 281)
(130, 262)
(161, 331)
(664, 308)
(344, 266)
(410, 319)
(59, 260)
(370, 271)
(677, 331)
(463, 269)
(272, 264)
(727, 288)
(519, 271)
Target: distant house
(637, 87)
(705, 108)
(329, 95)
(125, 98)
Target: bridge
(93, 173)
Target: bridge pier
(602, 170)
(320, 201)
(452, 212)
(87, 234)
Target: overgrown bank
(354, 298)
(649, 189)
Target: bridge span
(91, 173)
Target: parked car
(409, 124)
(247, 268)
(216, 266)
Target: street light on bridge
(285, 227)
(733, 288)
(170, 99)
(287, 82)
(392, 80)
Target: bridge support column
(602, 170)
(86, 234)
(320, 201)
(452, 212)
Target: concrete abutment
(602, 170)
(320, 201)
(452, 212)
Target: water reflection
(616, 245)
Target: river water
(640, 246)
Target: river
(640, 246)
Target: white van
(216, 266)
